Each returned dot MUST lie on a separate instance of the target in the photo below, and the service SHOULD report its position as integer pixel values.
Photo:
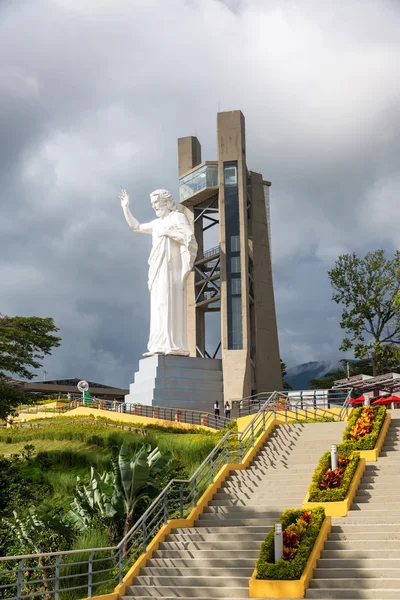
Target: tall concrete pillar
(236, 278)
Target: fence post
(144, 536)
(120, 566)
(57, 579)
(90, 575)
(19, 580)
(181, 500)
(165, 506)
(194, 491)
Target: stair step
(361, 554)
(217, 537)
(206, 593)
(358, 574)
(353, 594)
(359, 583)
(233, 521)
(230, 572)
(251, 510)
(360, 545)
(224, 530)
(197, 563)
(368, 509)
(236, 555)
(366, 536)
(359, 563)
(239, 545)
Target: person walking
(227, 410)
(216, 408)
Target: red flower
(331, 479)
(306, 516)
(288, 553)
(290, 539)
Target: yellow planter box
(341, 508)
(372, 455)
(275, 588)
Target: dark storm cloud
(93, 96)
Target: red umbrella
(388, 400)
(359, 400)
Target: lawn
(68, 446)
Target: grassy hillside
(65, 448)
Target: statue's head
(162, 202)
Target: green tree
(286, 385)
(24, 342)
(369, 289)
(347, 369)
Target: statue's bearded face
(160, 206)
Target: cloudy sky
(94, 93)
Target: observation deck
(199, 183)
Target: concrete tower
(235, 277)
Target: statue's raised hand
(123, 196)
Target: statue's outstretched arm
(130, 219)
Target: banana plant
(113, 496)
(137, 477)
(100, 496)
(29, 531)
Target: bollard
(278, 542)
(334, 457)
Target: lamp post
(278, 542)
(334, 457)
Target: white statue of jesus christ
(170, 262)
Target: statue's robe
(170, 262)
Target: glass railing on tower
(203, 177)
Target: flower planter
(340, 508)
(137, 410)
(372, 455)
(278, 588)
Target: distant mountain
(299, 376)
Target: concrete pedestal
(179, 382)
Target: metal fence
(177, 415)
(299, 399)
(83, 573)
(94, 571)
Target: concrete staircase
(216, 558)
(361, 558)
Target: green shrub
(367, 442)
(283, 569)
(75, 574)
(339, 493)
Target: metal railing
(94, 571)
(303, 399)
(177, 415)
(57, 575)
(210, 252)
